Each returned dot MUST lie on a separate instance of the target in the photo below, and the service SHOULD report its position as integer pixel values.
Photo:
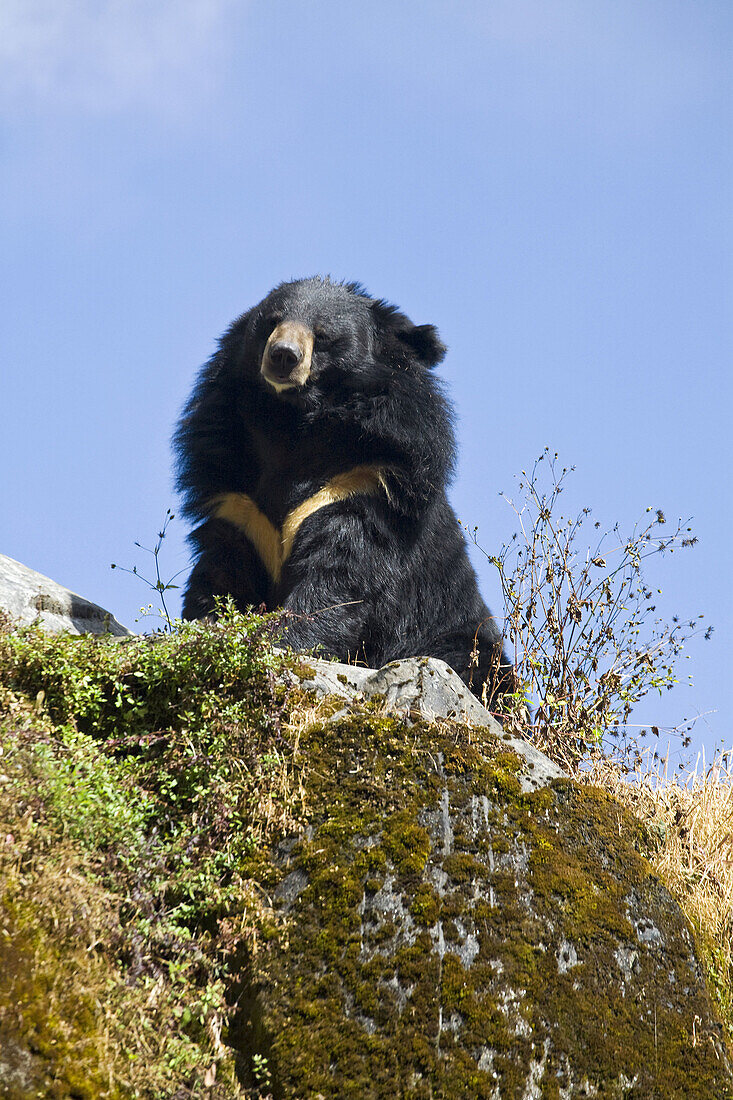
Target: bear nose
(284, 357)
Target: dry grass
(689, 818)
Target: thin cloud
(82, 55)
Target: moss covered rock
(446, 934)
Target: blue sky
(548, 181)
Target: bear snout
(284, 358)
(286, 362)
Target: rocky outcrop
(437, 913)
(446, 932)
(28, 596)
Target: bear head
(315, 334)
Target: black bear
(314, 453)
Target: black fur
(373, 577)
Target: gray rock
(330, 677)
(431, 688)
(424, 687)
(28, 596)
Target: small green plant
(158, 585)
(261, 1071)
(581, 621)
(90, 797)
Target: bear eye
(329, 340)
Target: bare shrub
(580, 618)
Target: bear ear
(398, 335)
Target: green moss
(425, 905)
(564, 868)
(301, 668)
(462, 867)
(405, 842)
(46, 1018)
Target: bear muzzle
(287, 358)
